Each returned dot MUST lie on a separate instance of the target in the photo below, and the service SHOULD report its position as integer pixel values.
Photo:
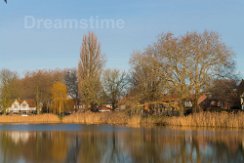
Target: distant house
(207, 102)
(104, 109)
(22, 106)
(168, 105)
(223, 94)
(175, 101)
(241, 88)
(241, 93)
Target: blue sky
(24, 49)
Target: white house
(22, 106)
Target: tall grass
(97, 118)
(42, 118)
(208, 119)
(204, 119)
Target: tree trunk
(181, 108)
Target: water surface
(60, 143)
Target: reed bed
(209, 119)
(97, 118)
(135, 121)
(42, 118)
(204, 119)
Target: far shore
(204, 119)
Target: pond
(57, 143)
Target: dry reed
(97, 118)
(207, 119)
(42, 118)
(204, 119)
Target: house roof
(241, 86)
(104, 108)
(30, 102)
(202, 98)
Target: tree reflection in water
(116, 144)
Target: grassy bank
(205, 119)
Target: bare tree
(34, 85)
(147, 76)
(71, 82)
(115, 84)
(89, 70)
(37, 86)
(6, 92)
(192, 61)
(189, 63)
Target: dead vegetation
(208, 119)
(204, 119)
(97, 118)
(42, 118)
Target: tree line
(174, 66)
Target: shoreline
(198, 120)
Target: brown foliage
(37, 86)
